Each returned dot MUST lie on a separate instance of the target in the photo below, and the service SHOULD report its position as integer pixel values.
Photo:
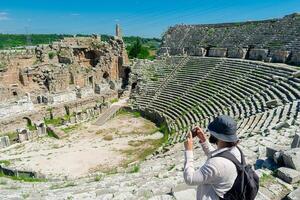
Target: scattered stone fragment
(291, 158)
(288, 175)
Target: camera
(194, 132)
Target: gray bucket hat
(224, 128)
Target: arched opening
(71, 81)
(125, 79)
(133, 85)
(91, 81)
(105, 75)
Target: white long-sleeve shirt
(215, 177)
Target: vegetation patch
(70, 128)
(23, 178)
(114, 100)
(4, 162)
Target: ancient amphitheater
(79, 120)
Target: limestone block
(288, 175)
(295, 59)
(56, 132)
(272, 103)
(237, 53)
(97, 89)
(4, 142)
(164, 51)
(258, 54)
(281, 125)
(72, 119)
(294, 195)
(196, 51)
(271, 150)
(22, 137)
(217, 52)
(291, 158)
(296, 74)
(296, 141)
(280, 56)
(185, 194)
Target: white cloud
(3, 16)
(75, 14)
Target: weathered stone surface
(295, 59)
(217, 52)
(271, 150)
(282, 125)
(237, 53)
(288, 175)
(56, 132)
(296, 141)
(272, 103)
(4, 142)
(291, 158)
(185, 194)
(296, 74)
(258, 54)
(295, 195)
(280, 56)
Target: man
(218, 174)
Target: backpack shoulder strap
(226, 154)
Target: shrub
(51, 55)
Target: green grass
(31, 127)
(52, 134)
(23, 178)
(55, 121)
(114, 100)
(70, 128)
(98, 178)
(135, 169)
(5, 162)
(51, 55)
(135, 114)
(266, 179)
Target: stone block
(4, 141)
(281, 125)
(56, 132)
(272, 103)
(196, 51)
(294, 195)
(22, 137)
(217, 52)
(296, 74)
(280, 56)
(291, 158)
(258, 54)
(237, 53)
(295, 59)
(296, 141)
(185, 194)
(288, 175)
(271, 150)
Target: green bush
(51, 55)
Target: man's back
(215, 177)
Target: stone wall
(274, 40)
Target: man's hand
(200, 134)
(188, 144)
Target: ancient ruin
(97, 125)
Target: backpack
(246, 184)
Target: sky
(136, 17)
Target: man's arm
(205, 175)
(206, 146)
